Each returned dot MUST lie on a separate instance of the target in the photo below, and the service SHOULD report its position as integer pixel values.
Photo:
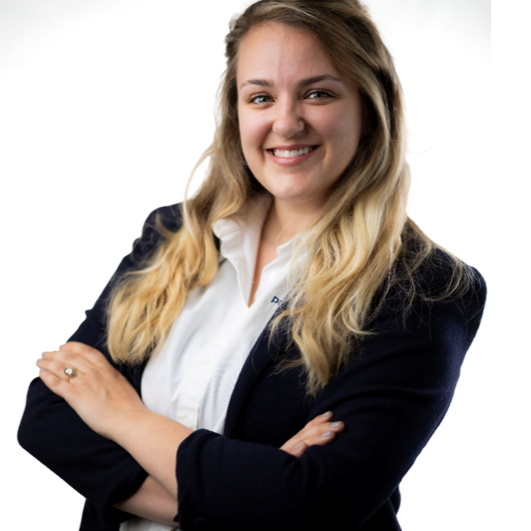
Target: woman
(297, 339)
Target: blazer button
(201, 524)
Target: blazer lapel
(264, 352)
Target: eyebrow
(303, 83)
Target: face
(300, 119)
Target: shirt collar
(239, 238)
(252, 220)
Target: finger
(316, 435)
(59, 360)
(90, 353)
(81, 356)
(320, 419)
(322, 434)
(299, 450)
(53, 382)
(317, 421)
(75, 346)
(325, 435)
(294, 448)
(316, 426)
(309, 429)
(57, 370)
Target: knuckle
(67, 347)
(49, 365)
(76, 348)
(67, 356)
(317, 430)
(50, 381)
(314, 433)
(72, 345)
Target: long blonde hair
(353, 247)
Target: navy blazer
(391, 397)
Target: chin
(292, 192)
(296, 198)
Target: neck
(286, 220)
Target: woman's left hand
(318, 432)
(98, 393)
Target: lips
(289, 152)
(291, 155)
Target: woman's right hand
(319, 431)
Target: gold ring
(70, 373)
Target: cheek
(253, 131)
(342, 129)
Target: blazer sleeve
(100, 470)
(391, 397)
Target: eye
(259, 98)
(319, 95)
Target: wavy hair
(353, 247)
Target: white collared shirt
(191, 378)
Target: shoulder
(439, 277)
(449, 279)
(159, 224)
(443, 299)
(419, 337)
(170, 216)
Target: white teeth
(290, 154)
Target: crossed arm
(111, 407)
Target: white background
(105, 106)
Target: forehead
(279, 53)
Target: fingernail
(299, 446)
(336, 424)
(327, 414)
(42, 369)
(326, 434)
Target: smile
(292, 157)
(293, 153)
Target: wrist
(153, 441)
(151, 501)
(124, 426)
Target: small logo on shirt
(276, 300)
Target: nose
(288, 120)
